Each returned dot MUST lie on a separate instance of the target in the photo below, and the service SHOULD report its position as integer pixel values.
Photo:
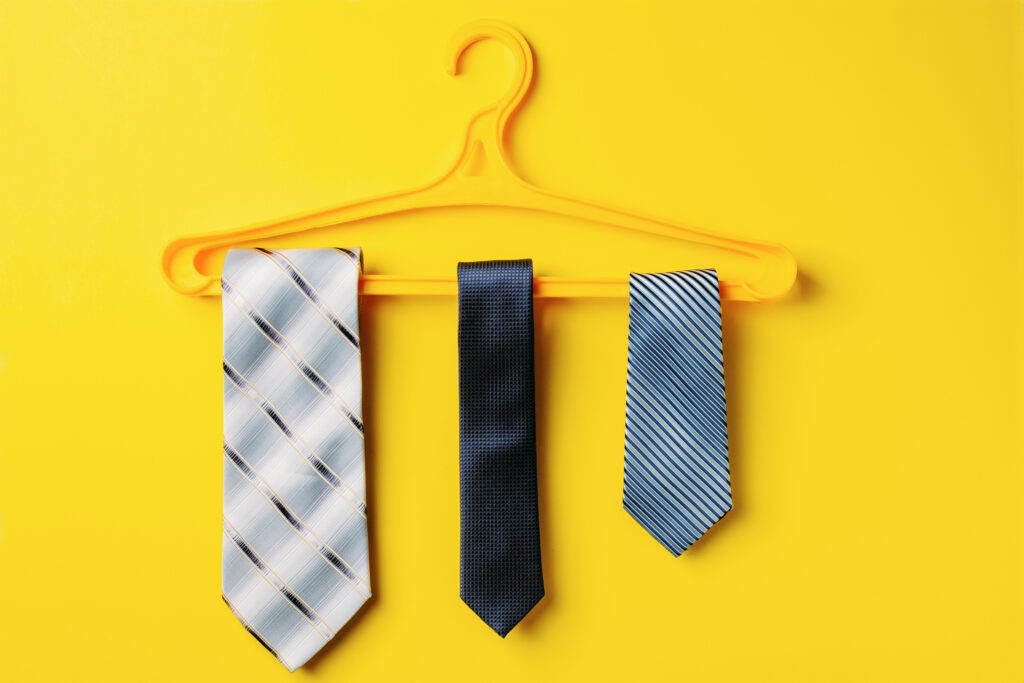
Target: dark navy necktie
(500, 542)
(677, 458)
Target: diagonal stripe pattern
(295, 551)
(676, 479)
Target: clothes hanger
(482, 176)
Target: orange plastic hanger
(482, 176)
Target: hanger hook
(484, 29)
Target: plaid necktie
(295, 565)
(677, 460)
(500, 568)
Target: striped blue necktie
(676, 482)
(295, 564)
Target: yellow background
(874, 412)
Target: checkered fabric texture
(500, 569)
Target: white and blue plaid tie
(295, 562)
(676, 482)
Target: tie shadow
(734, 336)
(368, 326)
(543, 331)
(734, 333)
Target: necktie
(676, 481)
(500, 542)
(295, 565)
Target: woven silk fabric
(295, 554)
(501, 578)
(676, 480)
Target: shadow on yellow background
(874, 412)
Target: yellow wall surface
(875, 412)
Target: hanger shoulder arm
(777, 264)
(181, 257)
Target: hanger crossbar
(543, 288)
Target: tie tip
(502, 620)
(675, 543)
